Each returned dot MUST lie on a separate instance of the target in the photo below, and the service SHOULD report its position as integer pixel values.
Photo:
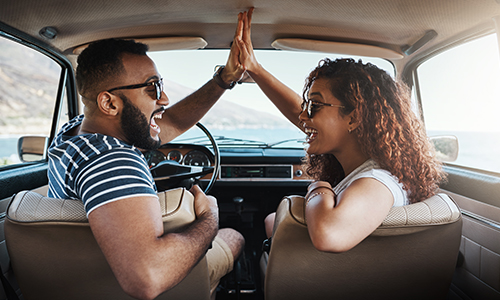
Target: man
(96, 158)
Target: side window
(460, 95)
(28, 90)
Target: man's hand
(204, 205)
(146, 260)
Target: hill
(28, 82)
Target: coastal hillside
(28, 82)
(225, 114)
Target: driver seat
(411, 255)
(54, 254)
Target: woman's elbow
(331, 247)
(328, 242)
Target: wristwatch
(218, 79)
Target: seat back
(412, 255)
(55, 256)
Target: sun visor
(295, 44)
(164, 43)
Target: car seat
(54, 254)
(412, 255)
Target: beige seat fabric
(55, 256)
(412, 255)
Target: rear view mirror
(32, 148)
(446, 147)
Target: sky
(460, 87)
(290, 67)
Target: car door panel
(478, 270)
(22, 178)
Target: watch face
(218, 68)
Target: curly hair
(101, 61)
(389, 132)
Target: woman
(366, 149)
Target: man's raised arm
(186, 113)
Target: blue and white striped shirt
(96, 168)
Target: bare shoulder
(367, 190)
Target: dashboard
(237, 164)
(185, 154)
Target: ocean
(479, 150)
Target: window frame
(410, 76)
(66, 86)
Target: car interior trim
(295, 44)
(480, 219)
(165, 43)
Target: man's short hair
(101, 61)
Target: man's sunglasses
(158, 84)
(312, 107)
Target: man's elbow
(144, 291)
(144, 286)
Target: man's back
(91, 167)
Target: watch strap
(218, 79)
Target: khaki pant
(220, 262)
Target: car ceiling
(391, 24)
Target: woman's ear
(108, 103)
(353, 121)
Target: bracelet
(319, 187)
(218, 79)
(317, 194)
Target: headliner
(391, 24)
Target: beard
(136, 127)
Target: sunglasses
(158, 85)
(311, 107)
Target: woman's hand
(243, 39)
(285, 99)
(234, 69)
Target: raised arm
(186, 113)
(146, 261)
(284, 98)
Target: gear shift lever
(238, 204)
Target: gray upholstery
(412, 255)
(55, 256)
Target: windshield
(243, 115)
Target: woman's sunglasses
(312, 107)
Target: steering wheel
(169, 174)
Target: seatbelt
(7, 287)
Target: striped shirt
(96, 168)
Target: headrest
(438, 209)
(177, 207)
(28, 206)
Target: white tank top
(370, 169)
